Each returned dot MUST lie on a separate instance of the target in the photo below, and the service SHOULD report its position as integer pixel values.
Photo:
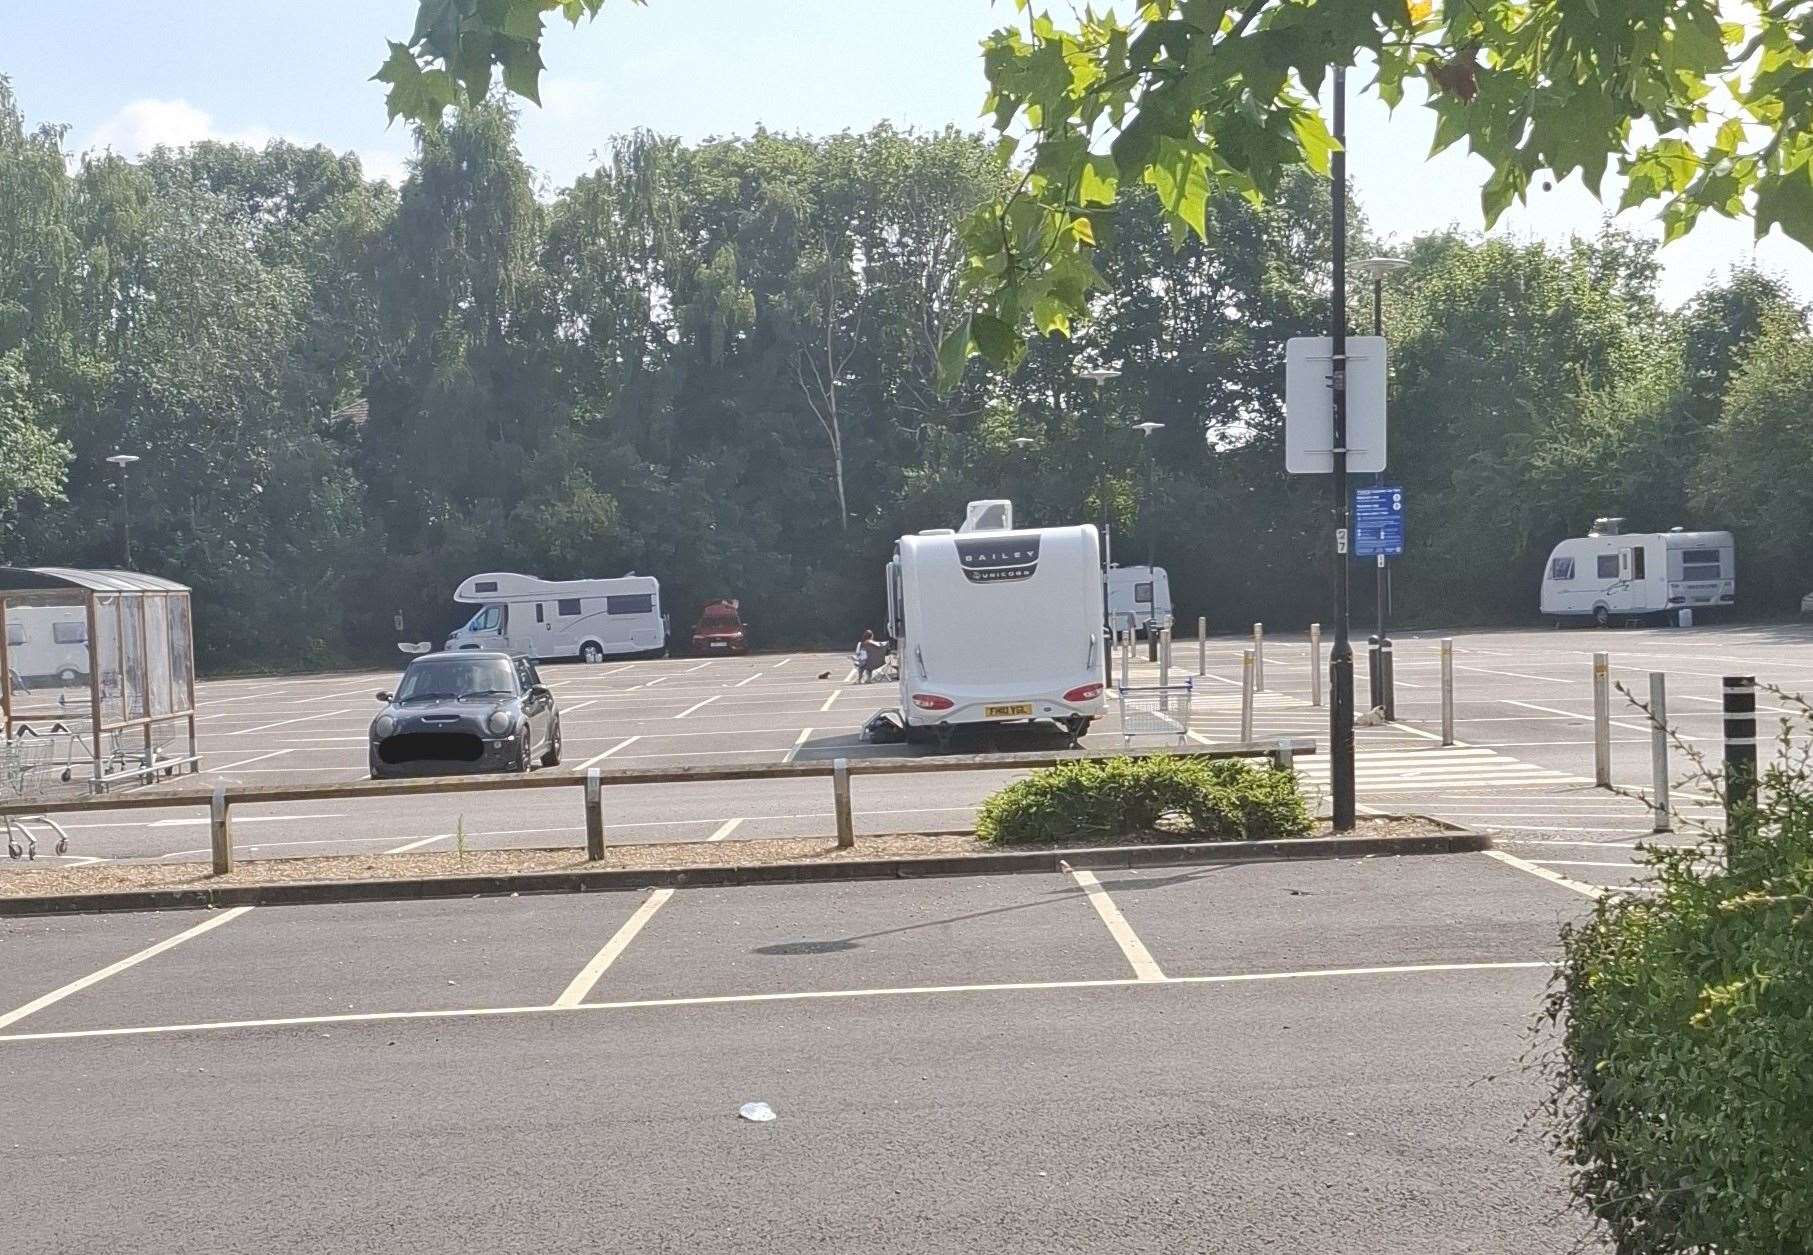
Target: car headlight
(500, 722)
(384, 726)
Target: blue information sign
(1378, 522)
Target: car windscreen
(448, 678)
(720, 619)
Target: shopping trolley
(27, 758)
(1158, 710)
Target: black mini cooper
(471, 711)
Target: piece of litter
(758, 1112)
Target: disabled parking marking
(589, 975)
(113, 969)
(1140, 959)
(810, 995)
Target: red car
(719, 630)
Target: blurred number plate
(1007, 712)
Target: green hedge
(1684, 1094)
(1110, 799)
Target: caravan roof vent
(1606, 527)
(1677, 528)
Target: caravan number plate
(1017, 710)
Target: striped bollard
(1740, 758)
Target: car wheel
(591, 651)
(1602, 617)
(552, 757)
(525, 754)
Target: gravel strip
(28, 881)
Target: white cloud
(137, 128)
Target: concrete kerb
(1452, 840)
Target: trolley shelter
(100, 677)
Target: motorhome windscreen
(485, 620)
(448, 678)
(1700, 564)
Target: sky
(129, 74)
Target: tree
(1703, 104)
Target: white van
(47, 644)
(1141, 591)
(586, 619)
(1610, 574)
(997, 627)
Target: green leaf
(1313, 138)
(1100, 181)
(1786, 199)
(416, 95)
(1180, 176)
(522, 70)
(953, 352)
(996, 339)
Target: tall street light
(1099, 375)
(1146, 429)
(1377, 268)
(121, 461)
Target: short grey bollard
(1246, 696)
(1164, 668)
(1658, 751)
(1315, 664)
(220, 831)
(840, 800)
(1602, 720)
(1127, 653)
(1447, 692)
(1202, 646)
(1287, 760)
(594, 815)
(1259, 657)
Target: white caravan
(1610, 574)
(586, 619)
(997, 626)
(47, 644)
(1141, 591)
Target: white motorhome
(1141, 591)
(997, 626)
(47, 644)
(586, 619)
(1610, 574)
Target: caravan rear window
(1561, 568)
(630, 603)
(1700, 564)
(1142, 593)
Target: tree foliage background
(719, 364)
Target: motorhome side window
(1608, 566)
(568, 607)
(1561, 569)
(629, 603)
(540, 613)
(1699, 564)
(69, 633)
(1142, 593)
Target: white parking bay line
(697, 706)
(114, 969)
(1138, 957)
(581, 706)
(418, 843)
(748, 679)
(581, 985)
(783, 662)
(258, 758)
(598, 758)
(1524, 865)
(835, 693)
(326, 714)
(725, 829)
(791, 754)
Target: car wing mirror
(383, 695)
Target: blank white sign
(1309, 405)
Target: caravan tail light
(1087, 693)
(931, 701)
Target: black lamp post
(1377, 268)
(122, 461)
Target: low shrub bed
(1167, 797)
(1684, 1080)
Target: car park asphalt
(1320, 1055)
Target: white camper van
(1141, 591)
(997, 626)
(47, 644)
(1610, 574)
(586, 619)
